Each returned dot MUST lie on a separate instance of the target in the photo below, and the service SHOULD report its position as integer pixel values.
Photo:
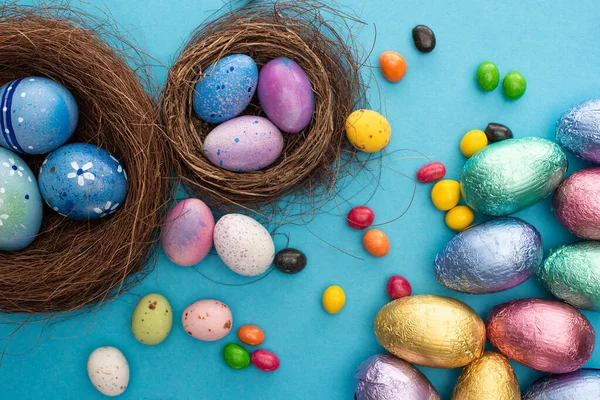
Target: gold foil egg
(488, 377)
(432, 331)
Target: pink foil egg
(187, 235)
(207, 320)
(544, 335)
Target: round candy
(334, 299)
(360, 217)
(488, 76)
(431, 172)
(83, 182)
(290, 261)
(398, 287)
(265, 360)
(514, 85)
(38, 115)
(368, 130)
(251, 335)
(459, 218)
(472, 142)
(497, 132)
(445, 194)
(108, 371)
(376, 243)
(152, 319)
(393, 66)
(424, 38)
(207, 320)
(236, 356)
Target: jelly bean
(472, 142)
(334, 299)
(376, 243)
(497, 132)
(514, 85)
(445, 194)
(236, 356)
(488, 76)
(424, 38)
(398, 287)
(251, 335)
(360, 217)
(459, 218)
(265, 360)
(290, 261)
(431, 172)
(393, 66)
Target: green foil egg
(572, 273)
(511, 175)
(152, 319)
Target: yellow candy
(445, 194)
(472, 142)
(334, 299)
(459, 218)
(368, 130)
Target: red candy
(360, 217)
(398, 287)
(431, 172)
(265, 360)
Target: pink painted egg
(207, 320)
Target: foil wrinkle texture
(583, 384)
(578, 130)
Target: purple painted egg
(187, 235)
(246, 143)
(286, 95)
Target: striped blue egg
(38, 115)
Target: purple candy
(578, 131)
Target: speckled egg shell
(38, 115)
(152, 319)
(286, 95)
(578, 130)
(579, 385)
(243, 144)
(108, 371)
(21, 208)
(490, 257)
(243, 244)
(83, 182)
(207, 320)
(512, 175)
(187, 235)
(226, 89)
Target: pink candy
(398, 287)
(360, 217)
(265, 360)
(431, 172)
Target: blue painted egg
(226, 90)
(38, 115)
(21, 207)
(83, 182)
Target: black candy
(497, 132)
(290, 261)
(424, 38)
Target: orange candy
(252, 335)
(393, 66)
(376, 243)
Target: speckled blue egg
(38, 115)
(83, 182)
(226, 90)
(20, 203)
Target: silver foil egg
(578, 385)
(578, 130)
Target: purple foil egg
(578, 385)
(286, 95)
(578, 130)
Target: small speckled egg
(226, 89)
(21, 207)
(207, 320)
(83, 182)
(152, 319)
(38, 115)
(368, 130)
(286, 95)
(243, 144)
(243, 244)
(108, 371)
(187, 235)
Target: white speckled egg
(108, 371)
(243, 244)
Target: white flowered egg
(108, 371)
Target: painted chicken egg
(578, 130)
(579, 385)
(207, 320)
(108, 370)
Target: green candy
(236, 356)
(514, 85)
(488, 76)
(152, 319)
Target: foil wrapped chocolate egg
(512, 175)
(578, 385)
(384, 376)
(575, 204)
(544, 335)
(432, 331)
(488, 377)
(572, 273)
(578, 130)
(490, 257)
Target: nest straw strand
(74, 264)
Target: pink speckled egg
(207, 320)
(187, 235)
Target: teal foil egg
(572, 273)
(511, 175)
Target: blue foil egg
(490, 257)
(83, 182)
(578, 385)
(38, 115)
(578, 130)
(226, 90)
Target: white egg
(243, 244)
(108, 370)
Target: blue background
(553, 44)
